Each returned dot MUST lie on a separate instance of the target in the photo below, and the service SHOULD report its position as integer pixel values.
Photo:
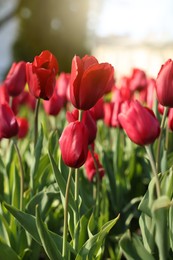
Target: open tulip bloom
(88, 173)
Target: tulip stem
(154, 169)
(76, 213)
(36, 122)
(65, 230)
(21, 173)
(97, 183)
(160, 138)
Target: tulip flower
(4, 97)
(164, 84)
(9, 126)
(88, 120)
(90, 166)
(23, 127)
(62, 84)
(139, 123)
(98, 109)
(138, 80)
(74, 144)
(54, 104)
(89, 81)
(41, 75)
(16, 78)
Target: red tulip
(8, 126)
(89, 81)
(88, 120)
(4, 97)
(23, 127)
(41, 75)
(164, 84)
(138, 80)
(108, 111)
(62, 84)
(170, 119)
(98, 109)
(16, 78)
(90, 166)
(54, 104)
(74, 144)
(139, 123)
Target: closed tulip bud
(89, 81)
(138, 80)
(98, 109)
(9, 126)
(41, 75)
(23, 127)
(4, 97)
(139, 123)
(164, 84)
(54, 104)
(93, 166)
(74, 144)
(16, 78)
(88, 120)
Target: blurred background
(126, 33)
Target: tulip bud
(8, 126)
(41, 75)
(87, 119)
(139, 123)
(74, 144)
(16, 78)
(23, 127)
(164, 84)
(90, 166)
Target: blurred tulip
(8, 126)
(89, 81)
(41, 75)
(108, 111)
(62, 84)
(24, 99)
(164, 84)
(98, 109)
(4, 97)
(138, 80)
(54, 104)
(16, 78)
(74, 144)
(139, 123)
(87, 119)
(92, 165)
(23, 127)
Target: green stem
(21, 174)
(76, 198)
(160, 138)
(97, 183)
(76, 213)
(154, 169)
(65, 230)
(36, 122)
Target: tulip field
(86, 162)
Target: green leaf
(28, 222)
(61, 182)
(92, 246)
(171, 226)
(160, 217)
(147, 228)
(7, 252)
(36, 158)
(148, 199)
(46, 239)
(133, 248)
